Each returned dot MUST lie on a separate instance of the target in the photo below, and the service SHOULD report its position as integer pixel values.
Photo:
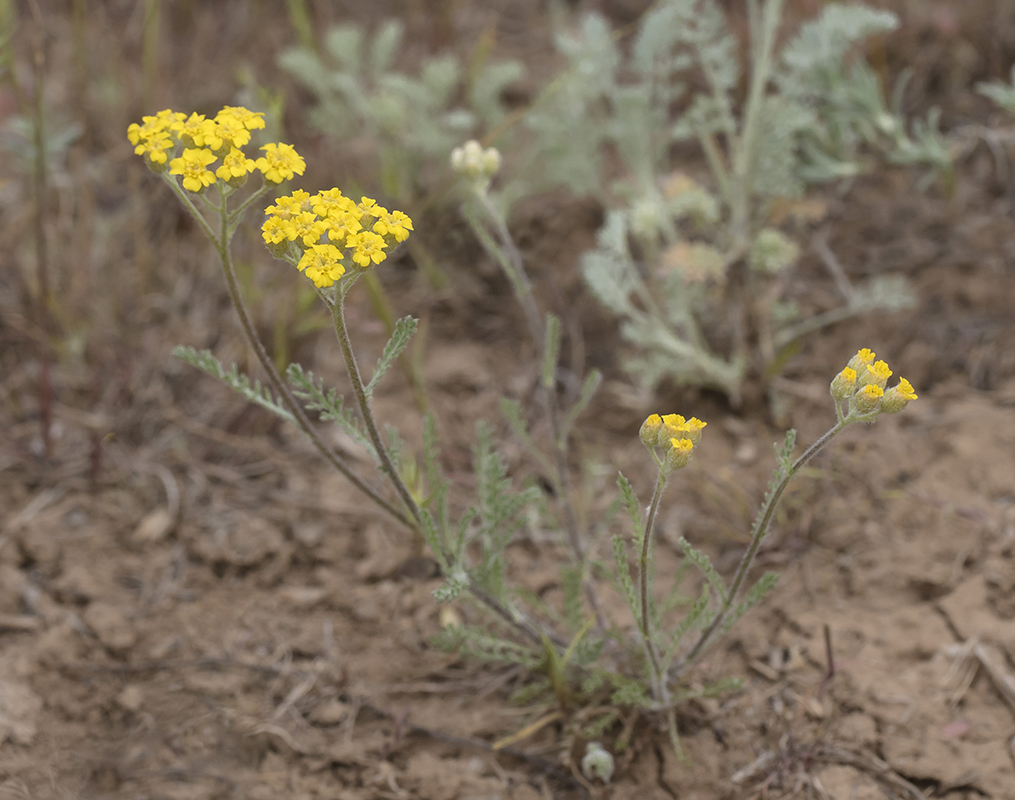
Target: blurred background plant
(696, 268)
(411, 120)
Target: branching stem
(221, 242)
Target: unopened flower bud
(475, 163)
(898, 397)
(679, 454)
(843, 385)
(649, 433)
(491, 161)
(597, 762)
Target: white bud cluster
(473, 162)
(597, 763)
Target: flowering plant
(584, 658)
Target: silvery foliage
(415, 118)
(668, 243)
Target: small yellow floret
(679, 454)
(343, 226)
(305, 227)
(333, 203)
(878, 373)
(235, 165)
(154, 149)
(898, 397)
(369, 248)
(192, 165)
(868, 398)
(395, 224)
(321, 264)
(273, 230)
(193, 129)
(229, 130)
(280, 162)
(251, 119)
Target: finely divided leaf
(329, 405)
(255, 393)
(404, 330)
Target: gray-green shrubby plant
(687, 264)
(694, 270)
(413, 119)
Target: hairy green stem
(359, 389)
(531, 631)
(659, 688)
(758, 534)
(510, 260)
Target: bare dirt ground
(196, 608)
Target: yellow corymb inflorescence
(861, 384)
(205, 150)
(358, 234)
(671, 439)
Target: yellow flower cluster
(364, 231)
(201, 142)
(675, 436)
(862, 384)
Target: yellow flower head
(273, 231)
(369, 248)
(878, 374)
(898, 397)
(234, 165)
(649, 433)
(305, 227)
(333, 203)
(192, 165)
(868, 398)
(695, 427)
(151, 128)
(280, 162)
(192, 130)
(679, 454)
(252, 120)
(393, 223)
(343, 226)
(230, 131)
(154, 151)
(843, 384)
(321, 264)
(369, 207)
(861, 359)
(290, 205)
